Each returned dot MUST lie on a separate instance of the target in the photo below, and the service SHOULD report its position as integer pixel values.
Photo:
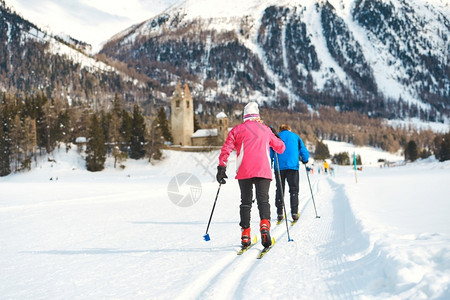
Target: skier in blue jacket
(289, 166)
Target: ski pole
(312, 196)
(206, 236)
(282, 198)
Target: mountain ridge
(349, 54)
(375, 63)
(61, 67)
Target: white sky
(91, 21)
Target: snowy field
(118, 234)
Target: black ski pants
(262, 186)
(292, 178)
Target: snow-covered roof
(205, 133)
(221, 115)
(80, 139)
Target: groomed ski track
(128, 240)
(66, 233)
(314, 262)
(116, 234)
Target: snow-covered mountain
(32, 59)
(92, 21)
(386, 58)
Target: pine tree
(95, 150)
(61, 130)
(137, 143)
(41, 120)
(322, 151)
(106, 124)
(5, 152)
(153, 149)
(29, 142)
(125, 131)
(443, 147)
(341, 158)
(116, 139)
(5, 167)
(16, 136)
(411, 152)
(53, 130)
(163, 125)
(117, 105)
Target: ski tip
(206, 237)
(255, 239)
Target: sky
(91, 21)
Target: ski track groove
(203, 282)
(317, 252)
(230, 281)
(344, 284)
(227, 278)
(99, 199)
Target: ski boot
(246, 237)
(280, 218)
(295, 216)
(264, 227)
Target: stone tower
(182, 116)
(222, 127)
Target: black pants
(292, 178)
(262, 186)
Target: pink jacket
(251, 140)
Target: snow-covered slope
(92, 21)
(352, 54)
(34, 60)
(76, 51)
(118, 234)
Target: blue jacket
(289, 159)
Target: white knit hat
(251, 111)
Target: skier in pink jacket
(252, 141)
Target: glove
(275, 132)
(304, 162)
(221, 175)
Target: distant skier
(325, 166)
(252, 141)
(289, 166)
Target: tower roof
(187, 92)
(221, 115)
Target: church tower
(182, 116)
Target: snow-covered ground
(66, 233)
(420, 125)
(369, 156)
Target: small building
(182, 122)
(81, 143)
(204, 137)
